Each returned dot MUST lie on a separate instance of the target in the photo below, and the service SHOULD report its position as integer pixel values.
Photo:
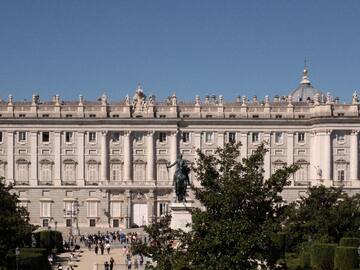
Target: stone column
(267, 161)
(128, 209)
(290, 152)
(127, 155)
(150, 156)
(197, 140)
(173, 152)
(244, 145)
(34, 158)
(57, 158)
(221, 139)
(313, 156)
(81, 158)
(354, 148)
(150, 206)
(326, 154)
(10, 157)
(104, 155)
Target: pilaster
(151, 206)
(220, 139)
(57, 158)
(34, 158)
(10, 157)
(150, 156)
(354, 156)
(173, 151)
(290, 152)
(104, 155)
(81, 158)
(127, 155)
(244, 145)
(267, 164)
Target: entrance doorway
(140, 214)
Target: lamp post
(55, 222)
(17, 254)
(73, 214)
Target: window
(340, 152)
(68, 115)
(115, 209)
(45, 116)
(162, 116)
(92, 136)
(115, 171)
(22, 136)
(92, 209)
(341, 175)
(186, 116)
(139, 137)
(185, 137)
(340, 114)
(115, 136)
(231, 137)
(69, 172)
(162, 172)
(255, 116)
(45, 210)
(116, 116)
(45, 174)
(115, 223)
(209, 116)
(139, 171)
(255, 137)
(69, 136)
(23, 175)
(68, 222)
(340, 137)
(278, 116)
(163, 208)
(162, 137)
(45, 222)
(232, 116)
(92, 115)
(301, 116)
(301, 137)
(45, 136)
(22, 115)
(93, 172)
(92, 222)
(209, 137)
(301, 175)
(279, 137)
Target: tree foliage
(324, 214)
(14, 225)
(237, 225)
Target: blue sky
(228, 47)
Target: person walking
(96, 249)
(112, 263)
(108, 246)
(106, 265)
(102, 248)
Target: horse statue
(181, 178)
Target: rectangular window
(68, 222)
(92, 136)
(45, 222)
(22, 136)
(255, 116)
(341, 175)
(115, 209)
(186, 116)
(231, 137)
(162, 137)
(22, 115)
(115, 223)
(116, 116)
(45, 209)
(163, 208)
(279, 137)
(209, 137)
(115, 136)
(115, 172)
(162, 116)
(340, 137)
(92, 209)
(92, 115)
(68, 136)
(45, 116)
(139, 137)
(340, 114)
(255, 137)
(185, 137)
(301, 137)
(45, 136)
(278, 116)
(92, 222)
(68, 116)
(301, 116)
(232, 116)
(1, 136)
(209, 116)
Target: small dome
(305, 91)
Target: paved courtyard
(88, 260)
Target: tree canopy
(14, 224)
(236, 227)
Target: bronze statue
(181, 178)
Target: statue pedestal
(181, 215)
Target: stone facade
(103, 164)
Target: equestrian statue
(181, 178)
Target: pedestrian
(135, 263)
(107, 246)
(96, 249)
(128, 263)
(112, 263)
(141, 260)
(102, 248)
(106, 265)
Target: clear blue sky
(227, 47)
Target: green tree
(237, 226)
(14, 224)
(324, 214)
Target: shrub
(349, 242)
(50, 240)
(322, 256)
(346, 258)
(305, 259)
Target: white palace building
(103, 163)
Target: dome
(305, 91)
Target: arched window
(139, 170)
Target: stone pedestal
(181, 215)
